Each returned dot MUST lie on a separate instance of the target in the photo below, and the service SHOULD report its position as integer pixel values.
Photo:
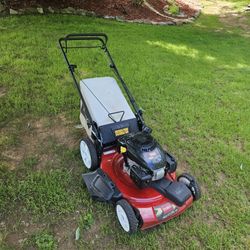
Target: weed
(86, 220)
(174, 9)
(42, 241)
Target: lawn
(193, 83)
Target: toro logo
(164, 211)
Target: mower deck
(152, 207)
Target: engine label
(165, 210)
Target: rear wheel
(126, 216)
(192, 184)
(89, 154)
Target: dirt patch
(217, 7)
(64, 233)
(35, 138)
(236, 20)
(214, 220)
(17, 239)
(58, 128)
(198, 242)
(221, 177)
(97, 237)
(227, 14)
(184, 137)
(38, 139)
(240, 145)
(182, 167)
(3, 91)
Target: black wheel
(126, 216)
(192, 184)
(89, 154)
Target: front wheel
(126, 216)
(89, 154)
(192, 184)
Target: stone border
(5, 11)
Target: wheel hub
(122, 217)
(85, 154)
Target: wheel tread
(194, 183)
(133, 221)
(93, 154)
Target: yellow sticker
(122, 131)
(123, 149)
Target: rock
(13, 12)
(90, 13)
(189, 20)
(68, 10)
(180, 21)
(170, 23)
(109, 17)
(50, 10)
(81, 12)
(40, 10)
(2, 7)
(22, 11)
(119, 18)
(166, 23)
(30, 10)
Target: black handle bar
(102, 37)
(84, 35)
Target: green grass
(193, 83)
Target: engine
(145, 160)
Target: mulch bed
(122, 8)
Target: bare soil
(34, 138)
(3, 91)
(227, 14)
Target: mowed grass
(193, 83)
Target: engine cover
(150, 161)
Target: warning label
(165, 210)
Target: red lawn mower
(127, 166)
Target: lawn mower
(127, 166)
